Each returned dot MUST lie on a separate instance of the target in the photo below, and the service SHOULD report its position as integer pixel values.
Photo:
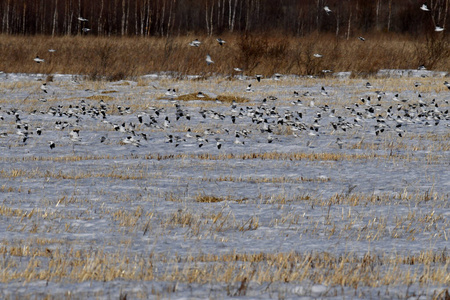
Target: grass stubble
(207, 216)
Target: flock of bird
(270, 120)
(240, 122)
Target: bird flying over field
(209, 60)
(195, 43)
(44, 87)
(38, 60)
(220, 41)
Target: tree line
(215, 17)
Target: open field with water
(220, 188)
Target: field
(290, 187)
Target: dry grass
(117, 58)
(206, 97)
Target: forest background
(122, 38)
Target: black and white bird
(447, 84)
(85, 29)
(439, 29)
(368, 85)
(74, 135)
(327, 10)
(209, 60)
(81, 19)
(51, 144)
(220, 41)
(195, 43)
(340, 143)
(44, 87)
(258, 77)
(362, 39)
(318, 55)
(38, 60)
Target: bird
(238, 69)
(81, 19)
(327, 10)
(209, 60)
(38, 60)
(131, 140)
(438, 29)
(447, 84)
(362, 39)
(75, 135)
(51, 50)
(220, 41)
(44, 87)
(318, 55)
(51, 144)
(339, 142)
(86, 30)
(368, 85)
(258, 77)
(424, 7)
(249, 88)
(195, 43)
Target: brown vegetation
(118, 58)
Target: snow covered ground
(341, 186)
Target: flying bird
(424, 7)
(438, 29)
(75, 135)
(362, 39)
(327, 10)
(220, 41)
(195, 43)
(38, 60)
(318, 55)
(81, 19)
(209, 60)
(44, 87)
